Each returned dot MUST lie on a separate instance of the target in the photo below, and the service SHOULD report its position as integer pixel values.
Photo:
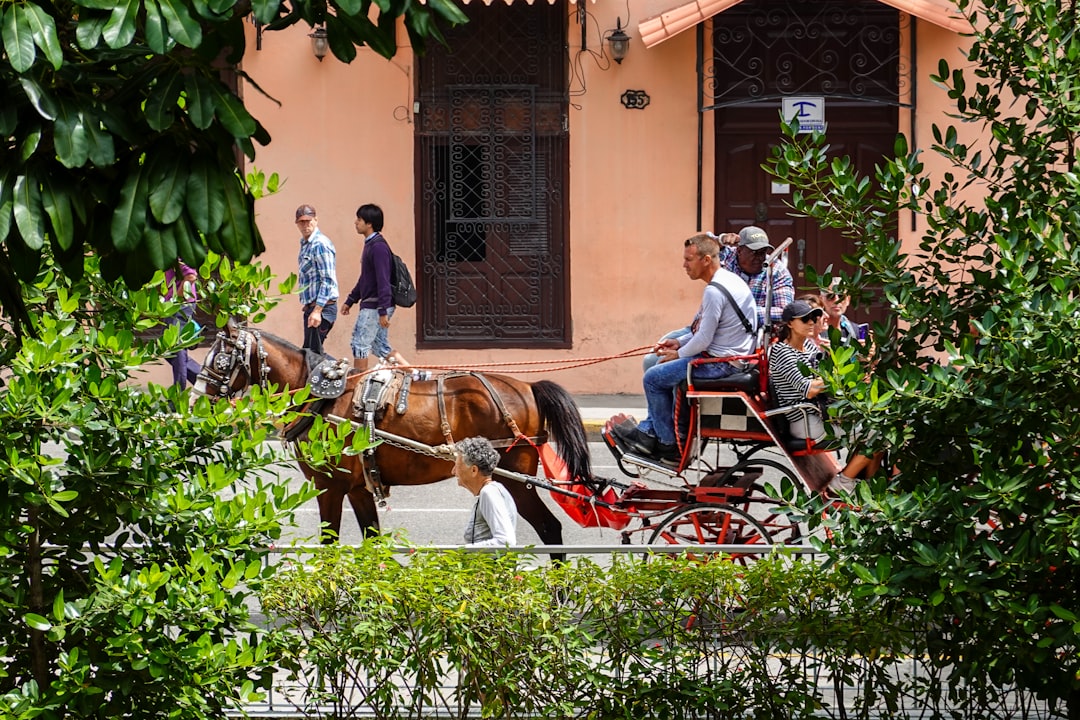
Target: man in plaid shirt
(744, 254)
(318, 277)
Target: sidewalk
(597, 409)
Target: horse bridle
(228, 357)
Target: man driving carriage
(725, 325)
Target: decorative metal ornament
(635, 99)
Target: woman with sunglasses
(793, 359)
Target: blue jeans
(368, 335)
(329, 316)
(661, 382)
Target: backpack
(401, 282)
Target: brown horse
(516, 417)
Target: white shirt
(494, 518)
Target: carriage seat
(746, 382)
(779, 422)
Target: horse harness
(372, 397)
(229, 356)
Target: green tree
(975, 388)
(119, 135)
(130, 522)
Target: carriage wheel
(713, 524)
(778, 519)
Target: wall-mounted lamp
(619, 41)
(319, 45)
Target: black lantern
(319, 46)
(619, 41)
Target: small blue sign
(808, 110)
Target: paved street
(436, 514)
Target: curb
(593, 428)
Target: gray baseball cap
(754, 238)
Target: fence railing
(837, 697)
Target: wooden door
(769, 49)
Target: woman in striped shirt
(792, 362)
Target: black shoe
(668, 455)
(635, 441)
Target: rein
(553, 365)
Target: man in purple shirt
(373, 291)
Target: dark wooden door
(491, 181)
(769, 49)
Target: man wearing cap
(744, 254)
(725, 326)
(317, 265)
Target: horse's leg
(330, 501)
(363, 505)
(331, 497)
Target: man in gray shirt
(725, 325)
(493, 522)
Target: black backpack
(401, 283)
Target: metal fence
(284, 699)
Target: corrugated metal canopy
(511, 2)
(686, 15)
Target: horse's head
(236, 361)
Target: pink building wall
(343, 135)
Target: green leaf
(233, 115)
(36, 622)
(189, 246)
(18, 38)
(159, 245)
(350, 7)
(199, 93)
(182, 26)
(449, 11)
(9, 118)
(43, 28)
(70, 137)
(39, 98)
(119, 31)
(28, 212)
(340, 40)
(235, 232)
(1064, 613)
(265, 11)
(88, 33)
(58, 605)
(99, 144)
(162, 101)
(168, 183)
(57, 204)
(205, 195)
(157, 39)
(6, 204)
(129, 218)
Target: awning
(686, 15)
(511, 2)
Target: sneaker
(634, 440)
(842, 483)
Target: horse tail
(560, 415)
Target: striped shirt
(783, 284)
(317, 270)
(790, 377)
